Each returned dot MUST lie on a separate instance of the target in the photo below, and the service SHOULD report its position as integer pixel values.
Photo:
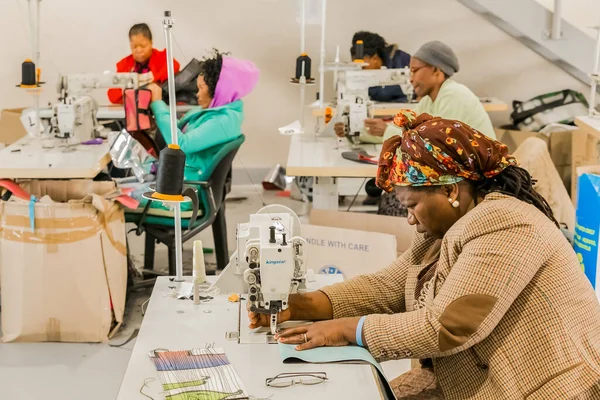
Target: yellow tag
(234, 298)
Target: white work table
(36, 158)
(312, 155)
(490, 104)
(321, 157)
(180, 325)
(52, 158)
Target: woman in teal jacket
(222, 83)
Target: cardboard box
(66, 280)
(559, 145)
(354, 243)
(585, 152)
(513, 139)
(587, 228)
(347, 252)
(534, 156)
(396, 226)
(11, 128)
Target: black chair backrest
(159, 140)
(219, 177)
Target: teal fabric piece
(321, 355)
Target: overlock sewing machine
(269, 263)
(353, 102)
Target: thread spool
(304, 58)
(169, 181)
(359, 51)
(199, 271)
(328, 114)
(28, 74)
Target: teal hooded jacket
(200, 132)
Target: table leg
(325, 193)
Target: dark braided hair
(211, 70)
(141, 29)
(372, 44)
(516, 182)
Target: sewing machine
(353, 102)
(56, 151)
(269, 263)
(74, 115)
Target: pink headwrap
(237, 79)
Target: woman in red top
(149, 63)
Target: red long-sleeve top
(157, 65)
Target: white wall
(582, 14)
(87, 36)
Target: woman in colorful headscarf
(490, 296)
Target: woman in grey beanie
(440, 56)
(432, 68)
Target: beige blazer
(509, 313)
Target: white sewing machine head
(76, 118)
(269, 263)
(354, 85)
(82, 84)
(75, 112)
(353, 102)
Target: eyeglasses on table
(288, 379)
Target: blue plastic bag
(587, 227)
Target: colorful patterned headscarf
(436, 151)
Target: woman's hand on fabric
(340, 129)
(258, 320)
(156, 91)
(332, 333)
(312, 306)
(375, 126)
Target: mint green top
(454, 101)
(368, 138)
(200, 131)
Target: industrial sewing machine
(269, 263)
(56, 150)
(353, 102)
(74, 115)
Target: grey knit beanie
(438, 55)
